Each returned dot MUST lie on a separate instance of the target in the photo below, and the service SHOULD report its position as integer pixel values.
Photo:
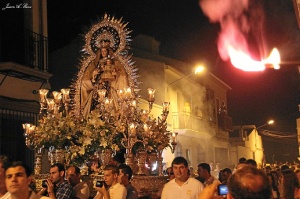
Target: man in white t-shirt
(182, 186)
(18, 176)
(111, 189)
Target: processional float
(100, 115)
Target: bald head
(73, 175)
(249, 182)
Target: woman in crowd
(287, 184)
(273, 178)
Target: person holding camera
(110, 188)
(246, 182)
(182, 186)
(57, 187)
(81, 189)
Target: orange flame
(243, 61)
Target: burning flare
(243, 61)
(240, 20)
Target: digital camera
(44, 183)
(222, 189)
(100, 183)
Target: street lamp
(198, 69)
(270, 122)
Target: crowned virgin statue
(106, 69)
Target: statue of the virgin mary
(105, 67)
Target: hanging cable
(277, 134)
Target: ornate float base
(148, 185)
(145, 185)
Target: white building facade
(195, 101)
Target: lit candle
(66, 93)
(31, 129)
(43, 94)
(166, 106)
(51, 104)
(151, 92)
(120, 93)
(106, 102)
(133, 103)
(146, 128)
(57, 97)
(145, 112)
(174, 135)
(132, 130)
(131, 126)
(26, 126)
(127, 92)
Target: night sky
(186, 34)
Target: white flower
(82, 151)
(87, 141)
(103, 143)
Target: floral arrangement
(159, 137)
(95, 136)
(56, 130)
(83, 138)
(158, 142)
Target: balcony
(31, 50)
(185, 120)
(24, 57)
(225, 122)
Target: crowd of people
(16, 180)
(245, 181)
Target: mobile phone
(222, 189)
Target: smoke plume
(241, 23)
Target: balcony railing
(185, 120)
(225, 122)
(36, 50)
(31, 50)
